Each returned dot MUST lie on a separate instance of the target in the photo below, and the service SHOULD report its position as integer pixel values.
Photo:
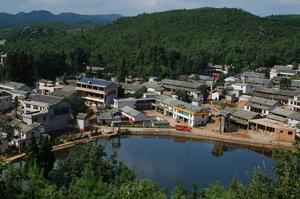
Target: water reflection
(170, 161)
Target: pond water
(172, 162)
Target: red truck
(182, 128)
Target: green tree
(183, 95)
(285, 83)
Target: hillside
(172, 43)
(37, 17)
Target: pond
(170, 162)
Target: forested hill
(36, 17)
(169, 43)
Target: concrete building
(46, 87)
(294, 103)
(24, 132)
(257, 82)
(273, 128)
(97, 92)
(253, 75)
(5, 101)
(133, 115)
(182, 111)
(284, 71)
(242, 87)
(15, 89)
(261, 105)
(191, 87)
(53, 113)
(280, 95)
(82, 122)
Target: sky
(134, 7)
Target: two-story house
(97, 92)
(53, 113)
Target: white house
(244, 88)
(46, 87)
(24, 132)
(215, 95)
(182, 111)
(283, 71)
(53, 113)
(294, 103)
(82, 122)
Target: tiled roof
(47, 99)
(263, 101)
(185, 84)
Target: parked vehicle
(182, 128)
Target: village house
(133, 80)
(131, 88)
(139, 104)
(182, 111)
(97, 92)
(286, 116)
(241, 118)
(231, 97)
(209, 81)
(82, 122)
(154, 88)
(284, 71)
(273, 128)
(46, 87)
(15, 89)
(254, 75)
(2, 57)
(110, 117)
(242, 87)
(133, 115)
(295, 84)
(53, 113)
(24, 132)
(261, 105)
(5, 101)
(294, 103)
(191, 87)
(280, 95)
(95, 70)
(255, 82)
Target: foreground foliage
(88, 173)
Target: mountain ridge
(22, 19)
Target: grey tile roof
(184, 84)
(295, 84)
(133, 87)
(243, 114)
(295, 116)
(97, 82)
(277, 118)
(154, 86)
(139, 116)
(280, 68)
(258, 81)
(263, 101)
(175, 102)
(65, 92)
(254, 75)
(104, 115)
(281, 112)
(47, 99)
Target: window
(35, 107)
(281, 131)
(28, 106)
(290, 133)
